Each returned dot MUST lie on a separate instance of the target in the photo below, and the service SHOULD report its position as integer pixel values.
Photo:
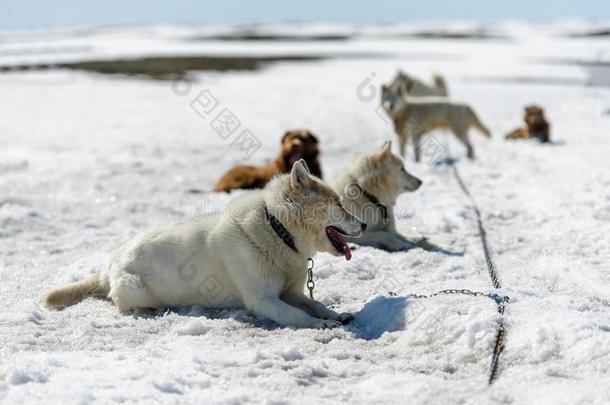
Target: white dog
(410, 86)
(370, 189)
(253, 255)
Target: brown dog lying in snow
(296, 144)
(536, 125)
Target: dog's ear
(304, 163)
(299, 175)
(386, 150)
(284, 137)
(409, 85)
(313, 137)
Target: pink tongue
(346, 250)
(292, 158)
(348, 253)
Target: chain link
(498, 348)
(310, 283)
(497, 298)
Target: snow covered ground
(90, 160)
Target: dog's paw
(345, 318)
(327, 324)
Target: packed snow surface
(88, 161)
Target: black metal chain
(500, 300)
(491, 268)
(498, 346)
(497, 298)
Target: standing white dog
(414, 117)
(370, 189)
(251, 256)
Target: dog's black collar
(382, 207)
(280, 230)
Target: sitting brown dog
(536, 126)
(296, 144)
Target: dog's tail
(441, 86)
(476, 122)
(93, 286)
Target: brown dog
(536, 126)
(296, 144)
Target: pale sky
(71, 13)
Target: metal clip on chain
(310, 283)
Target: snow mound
(378, 316)
(195, 327)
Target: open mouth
(294, 157)
(334, 235)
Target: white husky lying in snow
(253, 255)
(370, 189)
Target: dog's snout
(419, 182)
